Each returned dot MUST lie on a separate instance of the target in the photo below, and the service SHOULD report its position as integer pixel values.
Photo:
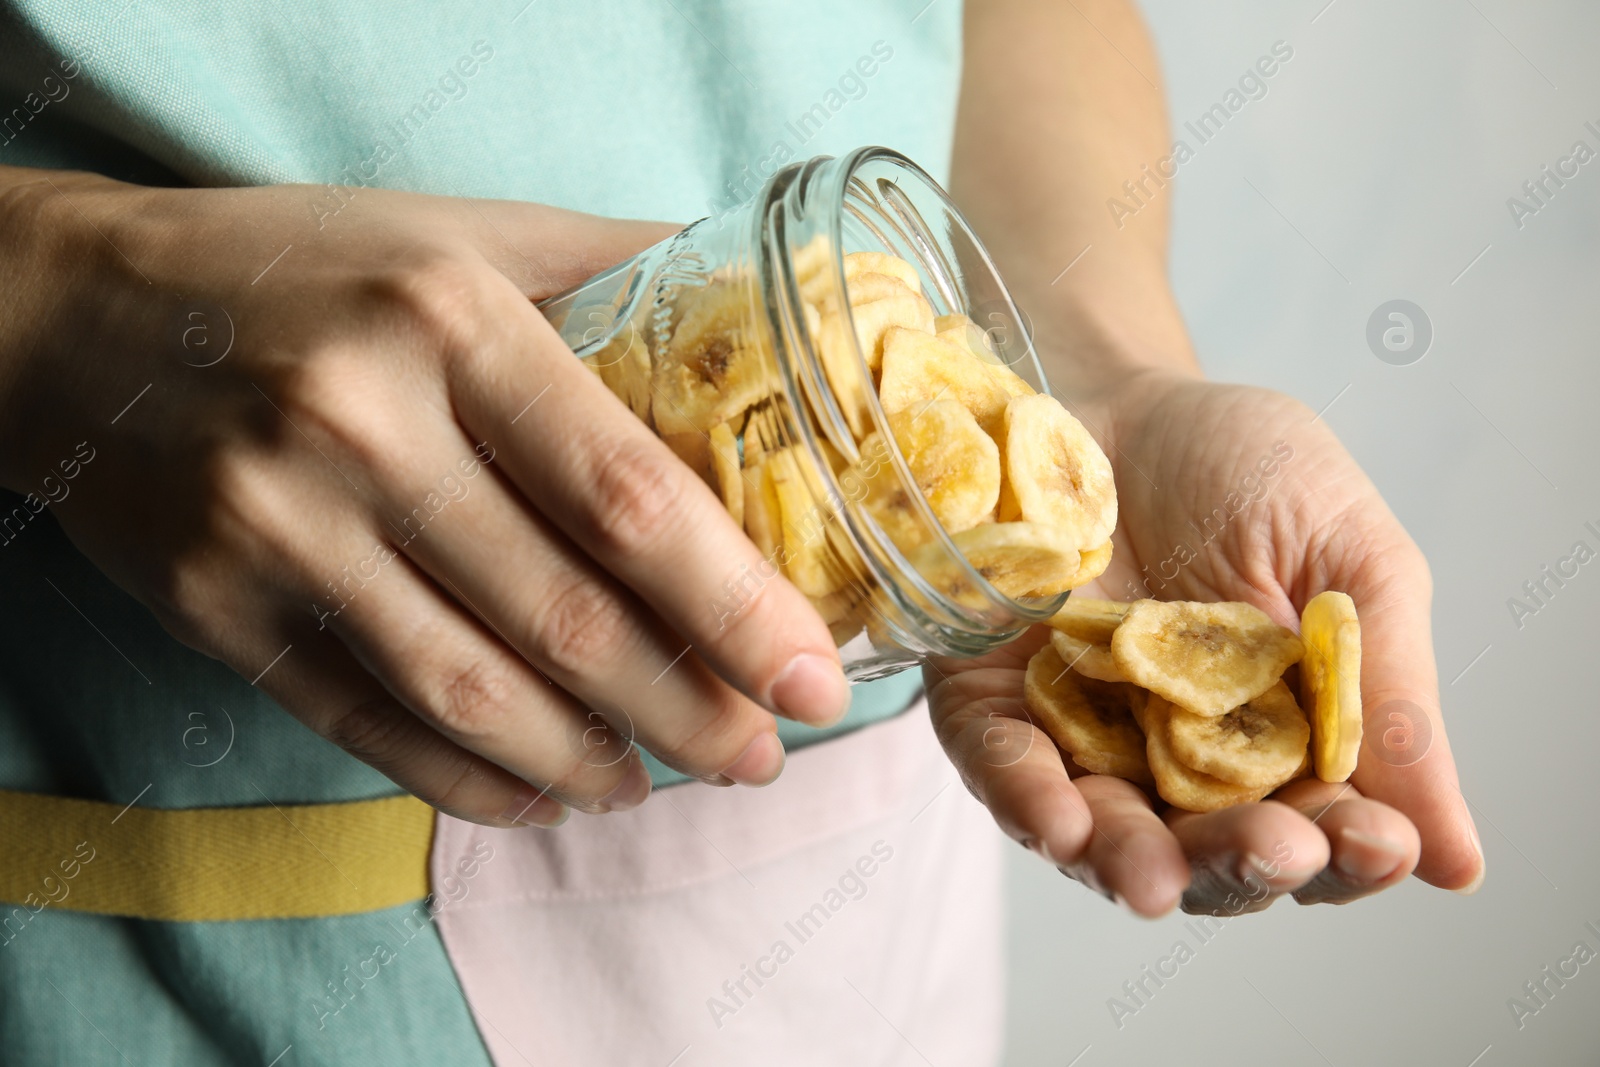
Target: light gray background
(1391, 142)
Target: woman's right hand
(348, 457)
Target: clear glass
(713, 338)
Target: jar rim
(817, 191)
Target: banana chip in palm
(1330, 681)
(1262, 742)
(1090, 620)
(1088, 658)
(1092, 721)
(1206, 658)
(1179, 784)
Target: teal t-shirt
(636, 108)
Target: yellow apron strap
(199, 864)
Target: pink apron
(848, 913)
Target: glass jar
(713, 338)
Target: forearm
(1061, 103)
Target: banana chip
(1092, 563)
(918, 367)
(1018, 557)
(1087, 658)
(1056, 471)
(954, 463)
(1179, 784)
(1259, 743)
(807, 558)
(624, 366)
(1330, 683)
(762, 519)
(1090, 620)
(876, 483)
(726, 477)
(1092, 721)
(712, 370)
(1206, 658)
(846, 379)
(857, 263)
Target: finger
(1133, 857)
(601, 476)
(322, 684)
(1009, 765)
(1412, 772)
(546, 250)
(461, 680)
(587, 634)
(1372, 846)
(1245, 857)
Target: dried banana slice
(713, 369)
(763, 520)
(1090, 620)
(963, 332)
(1262, 742)
(877, 486)
(846, 380)
(726, 477)
(1017, 557)
(1179, 784)
(1056, 471)
(624, 366)
(954, 463)
(1330, 683)
(807, 557)
(873, 319)
(1092, 721)
(1092, 563)
(1206, 658)
(856, 263)
(1088, 658)
(918, 367)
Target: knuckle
(371, 732)
(471, 701)
(583, 625)
(636, 496)
(438, 297)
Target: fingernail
(759, 764)
(1366, 858)
(721, 781)
(1253, 870)
(1483, 864)
(532, 807)
(812, 690)
(631, 791)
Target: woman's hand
(1234, 493)
(348, 457)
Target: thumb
(545, 250)
(1405, 756)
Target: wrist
(46, 248)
